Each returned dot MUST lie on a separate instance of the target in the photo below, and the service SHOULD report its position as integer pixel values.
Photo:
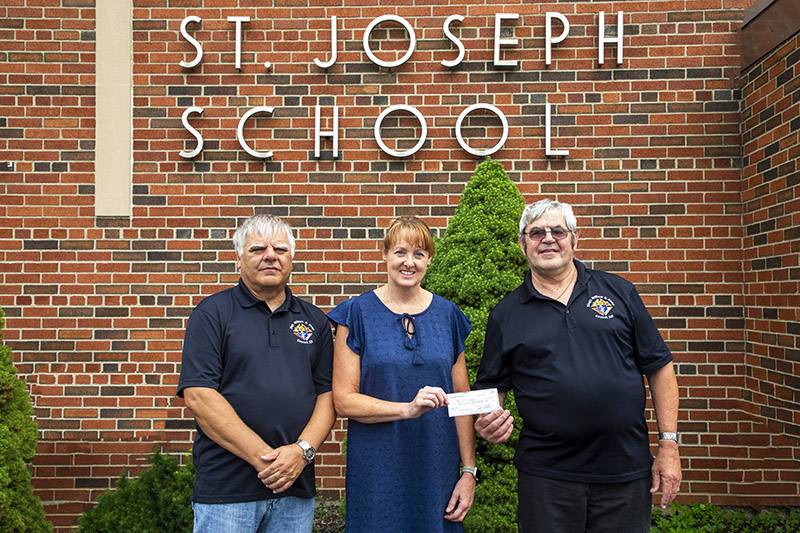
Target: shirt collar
(246, 299)
(529, 292)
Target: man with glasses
(573, 344)
(256, 374)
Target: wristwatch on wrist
(473, 470)
(668, 435)
(309, 453)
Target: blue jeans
(289, 514)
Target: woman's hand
(462, 498)
(427, 398)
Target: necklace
(567, 286)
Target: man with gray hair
(573, 344)
(256, 374)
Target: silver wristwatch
(668, 435)
(472, 470)
(309, 452)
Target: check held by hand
(495, 427)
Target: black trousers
(556, 506)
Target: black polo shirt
(576, 372)
(270, 366)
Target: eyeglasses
(537, 234)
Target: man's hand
(496, 426)
(667, 472)
(284, 464)
(461, 499)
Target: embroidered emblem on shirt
(303, 331)
(602, 306)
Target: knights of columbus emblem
(303, 331)
(602, 306)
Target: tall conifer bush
(477, 263)
(20, 509)
(157, 501)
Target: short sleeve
(650, 350)
(348, 313)
(323, 364)
(494, 371)
(461, 328)
(201, 361)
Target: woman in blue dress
(399, 350)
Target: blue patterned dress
(400, 475)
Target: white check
(473, 402)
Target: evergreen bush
(158, 500)
(478, 262)
(20, 509)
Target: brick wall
(96, 305)
(771, 202)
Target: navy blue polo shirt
(576, 371)
(270, 366)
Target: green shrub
(704, 518)
(158, 500)
(20, 509)
(328, 516)
(477, 263)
